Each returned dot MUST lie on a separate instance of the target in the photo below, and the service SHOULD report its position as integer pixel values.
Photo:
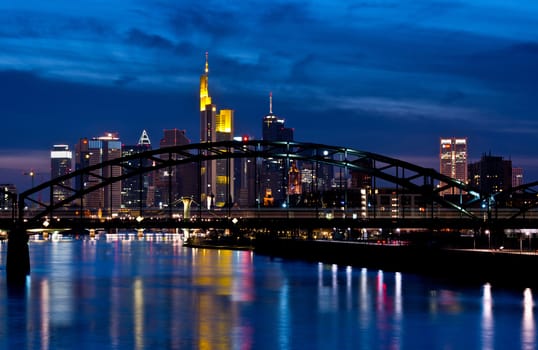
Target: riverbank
(499, 268)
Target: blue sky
(390, 77)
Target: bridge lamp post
(489, 238)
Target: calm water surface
(99, 294)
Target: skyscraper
(105, 200)
(175, 181)
(453, 160)
(273, 175)
(491, 174)
(135, 189)
(517, 177)
(60, 164)
(217, 185)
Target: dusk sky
(389, 77)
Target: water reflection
(528, 335)
(140, 295)
(487, 318)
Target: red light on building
(245, 138)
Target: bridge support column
(18, 256)
(187, 201)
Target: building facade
(107, 199)
(453, 160)
(217, 185)
(273, 177)
(60, 165)
(491, 174)
(137, 190)
(176, 181)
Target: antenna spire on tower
(206, 63)
(271, 102)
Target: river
(159, 294)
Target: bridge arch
(405, 175)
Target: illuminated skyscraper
(105, 200)
(135, 189)
(60, 165)
(217, 185)
(273, 182)
(453, 160)
(176, 181)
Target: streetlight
(32, 174)
(489, 238)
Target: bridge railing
(303, 213)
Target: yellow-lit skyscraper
(217, 186)
(453, 160)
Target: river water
(135, 294)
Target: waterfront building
(453, 160)
(105, 200)
(491, 174)
(274, 173)
(60, 165)
(136, 190)
(217, 186)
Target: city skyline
(377, 76)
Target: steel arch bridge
(382, 169)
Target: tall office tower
(491, 174)
(60, 164)
(273, 175)
(135, 189)
(175, 181)
(217, 186)
(105, 200)
(82, 160)
(245, 178)
(517, 177)
(453, 160)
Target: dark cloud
(216, 24)
(33, 24)
(124, 80)
(137, 37)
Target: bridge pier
(140, 232)
(187, 201)
(18, 256)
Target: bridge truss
(402, 175)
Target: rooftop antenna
(271, 102)
(206, 63)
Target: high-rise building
(453, 160)
(136, 190)
(245, 178)
(8, 197)
(273, 174)
(491, 174)
(175, 181)
(217, 185)
(60, 165)
(105, 200)
(517, 177)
